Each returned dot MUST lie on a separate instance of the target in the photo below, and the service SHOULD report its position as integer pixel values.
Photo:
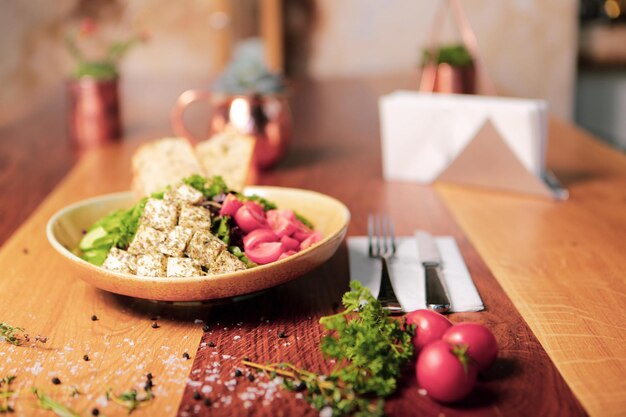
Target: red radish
(445, 372)
(265, 252)
(289, 243)
(230, 205)
(481, 343)
(429, 326)
(250, 216)
(257, 236)
(311, 240)
(276, 213)
(302, 231)
(286, 254)
(282, 226)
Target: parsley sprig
(370, 348)
(6, 392)
(131, 399)
(17, 335)
(45, 402)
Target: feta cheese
(152, 265)
(146, 240)
(204, 247)
(184, 194)
(120, 261)
(176, 241)
(226, 262)
(160, 214)
(194, 217)
(182, 267)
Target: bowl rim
(252, 189)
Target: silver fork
(382, 245)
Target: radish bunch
(268, 235)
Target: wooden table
(550, 273)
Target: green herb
(305, 221)
(131, 400)
(266, 204)
(236, 250)
(209, 187)
(371, 350)
(6, 392)
(47, 403)
(16, 335)
(74, 391)
(221, 228)
(13, 335)
(117, 229)
(455, 55)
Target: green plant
(456, 55)
(248, 75)
(106, 66)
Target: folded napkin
(423, 133)
(407, 273)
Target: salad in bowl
(197, 227)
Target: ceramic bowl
(330, 217)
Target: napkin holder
(488, 162)
(489, 142)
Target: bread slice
(229, 154)
(164, 162)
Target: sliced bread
(158, 164)
(229, 154)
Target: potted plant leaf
(93, 98)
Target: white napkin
(422, 133)
(407, 273)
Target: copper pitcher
(265, 117)
(93, 112)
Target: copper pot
(454, 80)
(93, 113)
(266, 118)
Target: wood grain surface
(563, 263)
(336, 151)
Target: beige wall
(529, 46)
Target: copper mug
(265, 117)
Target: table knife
(436, 294)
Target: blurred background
(570, 52)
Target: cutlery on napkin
(407, 273)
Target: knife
(436, 294)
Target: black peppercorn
(282, 334)
(186, 355)
(301, 386)
(86, 358)
(206, 328)
(155, 325)
(95, 412)
(94, 318)
(250, 377)
(56, 381)
(197, 395)
(238, 372)
(208, 402)
(212, 344)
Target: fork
(382, 245)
